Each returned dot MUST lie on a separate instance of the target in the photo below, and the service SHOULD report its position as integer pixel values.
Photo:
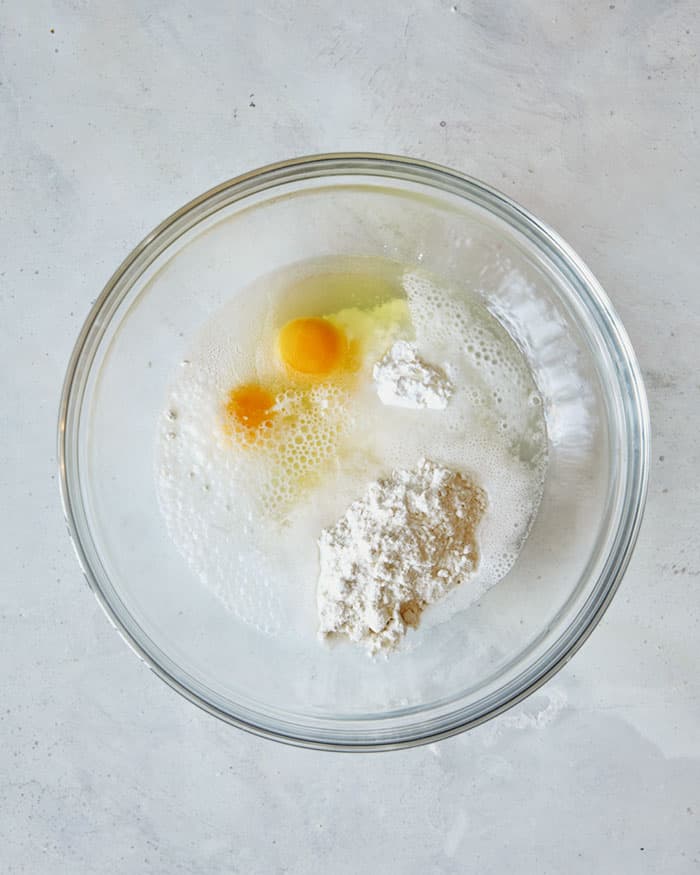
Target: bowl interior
(459, 671)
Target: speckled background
(113, 115)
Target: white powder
(405, 380)
(404, 545)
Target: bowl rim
(396, 167)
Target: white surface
(586, 113)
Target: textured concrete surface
(113, 115)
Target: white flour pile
(404, 545)
(403, 379)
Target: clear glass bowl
(486, 658)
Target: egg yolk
(311, 346)
(251, 405)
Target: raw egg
(312, 346)
(251, 406)
(293, 417)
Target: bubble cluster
(441, 319)
(302, 439)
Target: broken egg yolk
(312, 346)
(251, 405)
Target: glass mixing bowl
(484, 659)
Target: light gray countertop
(112, 116)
